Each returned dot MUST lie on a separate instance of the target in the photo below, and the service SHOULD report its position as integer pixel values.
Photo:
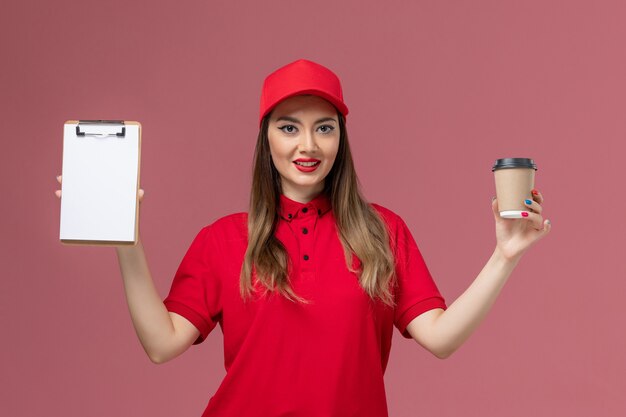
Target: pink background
(437, 91)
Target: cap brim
(339, 105)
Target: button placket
(305, 232)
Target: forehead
(303, 105)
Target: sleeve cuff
(194, 318)
(417, 309)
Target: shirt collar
(290, 209)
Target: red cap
(301, 77)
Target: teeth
(306, 164)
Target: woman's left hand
(515, 236)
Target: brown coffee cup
(515, 179)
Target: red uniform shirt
(326, 358)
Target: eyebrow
(294, 120)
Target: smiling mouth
(306, 164)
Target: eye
(288, 128)
(326, 129)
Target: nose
(308, 142)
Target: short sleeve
(416, 291)
(195, 290)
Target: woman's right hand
(152, 322)
(58, 192)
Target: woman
(308, 285)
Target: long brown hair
(361, 230)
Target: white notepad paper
(99, 202)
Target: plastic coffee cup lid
(514, 163)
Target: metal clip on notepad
(86, 124)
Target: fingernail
(524, 214)
(493, 198)
(528, 202)
(535, 192)
(57, 177)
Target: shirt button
(305, 230)
(306, 257)
(289, 215)
(319, 212)
(304, 209)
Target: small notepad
(101, 161)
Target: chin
(306, 184)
